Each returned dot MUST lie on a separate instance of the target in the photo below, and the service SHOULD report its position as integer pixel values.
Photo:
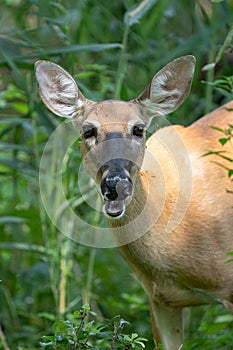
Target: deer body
(185, 267)
(166, 203)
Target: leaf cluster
(79, 333)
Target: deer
(166, 202)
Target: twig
(115, 334)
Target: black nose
(116, 188)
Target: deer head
(113, 132)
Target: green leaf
(224, 92)
(19, 165)
(21, 107)
(224, 318)
(47, 340)
(218, 153)
(134, 15)
(216, 128)
(12, 220)
(60, 327)
(86, 308)
(231, 255)
(13, 146)
(230, 173)
(66, 49)
(47, 316)
(92, 313)
(134, 335)
(123, 322)
(230, 260)
(224, 140)
(102, 335)
(77, 314)
(25, 247)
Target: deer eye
(138, 130)
(89, 131)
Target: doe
(167, 204)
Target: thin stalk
(122, 66)
(211, 58)
(90, 271)
(5, 346)
(210, 78)
(35, 138)
(51, 243)
(65, 268)
(62, 281)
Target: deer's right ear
(58, 90)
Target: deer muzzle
(116, 187)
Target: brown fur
(178, 224)
(192, 256)
(185, 267)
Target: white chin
(114, 209)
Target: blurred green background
(112, 54)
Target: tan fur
(195, 251)
(186, 267)
(178, 224)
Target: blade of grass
(12, 220)
(9, 61)
(30, 248)
(130, 18)
(59, 51)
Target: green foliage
(113, 49)
(215, 326)
(229, 260)
(228, 137)
(80, 333)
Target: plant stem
(65, 268)
(5, 346)
(122, 66)
(87, 295)
(62, 282)
(115, 334)
(210, 78)
(90, 271)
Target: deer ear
(58, 90)
(169, 87)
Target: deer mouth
(116, 187)
(114, 209)
(115, 191)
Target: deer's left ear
(58, 90)
(169, 87)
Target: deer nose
(116, 188)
